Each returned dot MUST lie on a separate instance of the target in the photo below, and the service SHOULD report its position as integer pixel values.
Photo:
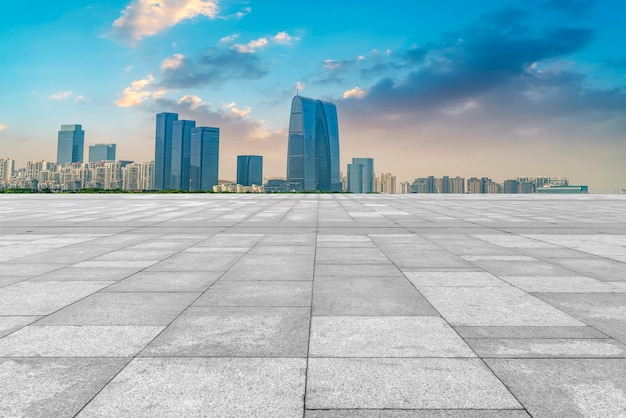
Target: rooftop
(312, 305)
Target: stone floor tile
(87, 274)
(596, 268)
(272, 267)
(565, 387)
(77, 341)
(235, 332)
(28, 270)
(453, 278)
(215, 387)
(530, 332)
(390, 336)
(547, 348)
(141, 309)
(8, 324)
(257, 293)
(494, 306)
(357, 270)
(416, 413)
(433, 383)
(350, 255)
(52, 387)
(561, 284)
(165, 281)
(194, 262)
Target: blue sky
(483, 88)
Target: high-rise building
(204, 158)
(313, 146)
(101, 152)
(6, 169)
(250, 170)
(366, 165)
(181, 152)
(163, 151)
(388, 183)
(138, 176)
(71, 144)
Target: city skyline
(498, 89)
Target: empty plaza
(312, 305)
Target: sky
(485, 88)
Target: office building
(163, 150)
(361, 175)
(355, 178)
(313, 146)
(204, 158)
(181, 154)
(71, 144)
(101, 152)
(250, 170)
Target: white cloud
(300, 86)
(241, 13)
(284, 38)
(242, 113)
(137, 92)
(356, 93)
(250, 46)
(82, 99)
(2, 127)
(229, 38)
(61, 95)
(143, 18)
(462, 108)
(331, 64)
(191, 100)
(172, 62)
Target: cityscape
(187, 159)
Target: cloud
(81, 99)
(172, 62)
(356, 93)
(61, 95)
(191, 100)
(213, 67)
(2, 127)
(143, 18)
(239, 14)
(243, 113)
(250, 46)
(138, 92)
(300, 86)
(229, 38)
(284, 38)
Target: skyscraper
(163, 151)
(70, 145)
(250, 170)
(101, 152)
(366, 168)
(313, 146)
(181, 149)
(204, 158)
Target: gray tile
(391, 336)
(357, 270)
(272, 267)
(192, 261)
(561, 284)
(416, 413)
(522, 268)
(596, 268)
(494, 306)
(88, 274)
(432, 383)
(351, 255)
(453, 278)
(235, 332)
(550, 348)
(55, 387)
(164, 281)
(43, 298)
(370, 296)
(529, 332)
(9, 324)
(257, 293)
(566, 387)
(28, 270)
(136, 255)
(141, 309)
(77, 341)
(216, 387)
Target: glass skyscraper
(313, 147)
(250, 170)
(163, 151)
(101, 152)
(181, 151)
(204, 158)
(361, 175)
(71, 144)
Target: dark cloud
(214, 67)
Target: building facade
(7, 166)
(71, 144)
(313, 146)
(181, 154)
(101, 152)
(250, 170)
(204, 158)
(163, 150)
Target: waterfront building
(313, 146)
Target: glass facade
(71, 144)
(163, 150)
(101, 152)
(204, 158)
(313, 146)
(181, 149)
(367, 167)
(250, 170)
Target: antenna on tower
(297, 90)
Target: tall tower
(204, 158)
(181, 149)
(70, 145)
(313, 147)
(250, 170)
(163, 151)
(367, 165)
(101, 152)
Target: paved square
(306, 305)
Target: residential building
(71, 144)
(101, 152)
(250, 170)
(6, 169)
(313, 146)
